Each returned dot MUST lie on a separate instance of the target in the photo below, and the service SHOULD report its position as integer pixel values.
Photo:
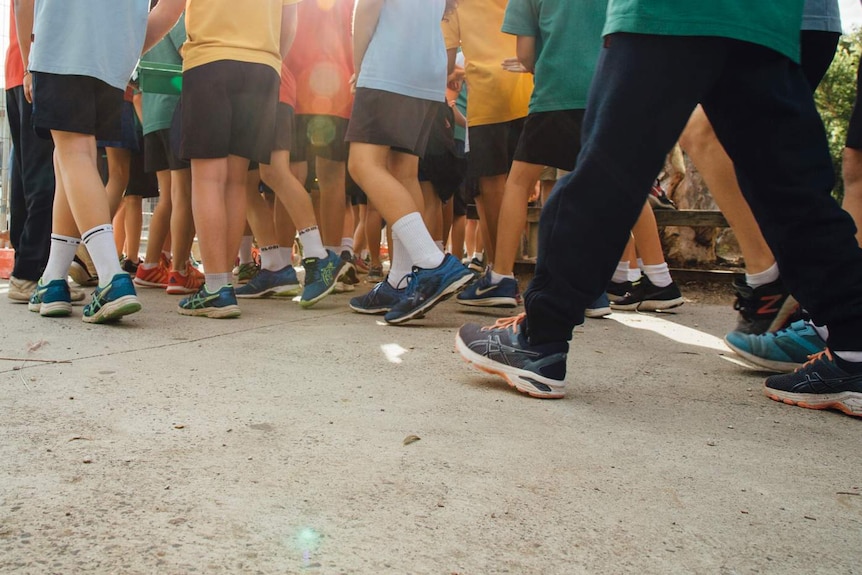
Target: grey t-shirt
(822, 16)
(98, 38)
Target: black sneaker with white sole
(646, 296)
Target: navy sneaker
(503, 349)
(822, 383)
(320, 277)
(782, 351)
(618, 290)
(646, 296)
(112, 302)
(382, 298)
(281, 283)
(483, 293)
(764, 309)
(220, 304)
(599, 308)
(53, 299)
(428, 287)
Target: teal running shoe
(320, 277)
(782, 351)
(113, 301)
(220, 304)
(53, 299)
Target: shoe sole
(146, 284)
(278, 291)
(366, 311)
(226, 312)
(521, 379)
(54, 309)
(847, 402)
(762, 362)
(115, 310)
(598, 312)
(490, 302)
(649, 305)
(450, 290)
(178, 290)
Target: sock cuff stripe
(108, 228)
(66, 239)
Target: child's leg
(134, 224)
(119, 172)
(119, 223)
(160, 222)
(182, 223)
(65, 237)
(285, 231)
(373, 227)
(432, 212)
(331, 179)
(513, 215)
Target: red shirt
(287, 92)
(321, 58)
(14, 64)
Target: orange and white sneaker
(180, 283)
(155, 277)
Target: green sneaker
(220, 304)
(246, 272)
(113, 301)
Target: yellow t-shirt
(241, 30)
(493, 94)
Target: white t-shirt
(97, 38)
(407, 54)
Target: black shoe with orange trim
(764, 309)
(825, 382)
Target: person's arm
(526, 51)
(364, 24)
(288, 29)
(24, 25)
(161, 20)
(452, 54)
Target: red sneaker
(156, 277)
(180, 283)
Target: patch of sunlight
(393, 352)
(670, 330)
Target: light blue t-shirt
(407, 54)
(97, 38)
(822, 16)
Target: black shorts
(551, 139)
(158, 154)
(492, 148)
(285, 128)
(229, 109)
(79, 104)
(141, 183)
(400, 122)
(131, 138)
(319, 136)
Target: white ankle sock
(245, 249)
(312, 244)
(60, 257)
(417, 241)
(762, 278)
(347, 244)
(400, 264)
(497, 278)
(270, 258)
(634, 274)
(621, 274)
(658, 275)
(215, 282)
(100, 244)
(286, 255)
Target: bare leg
(182, 222)
(646, 238)
(433, 211)
(853, 188)
(119, 162)
(160, 222)
(492, 190)
(513, 215)
(331, 179)
(134, 224)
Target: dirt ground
(321, 441)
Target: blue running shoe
(53, 299)
(113, 301)
(220, 304)
(483, 293)
(428, 287)
(824, 382)
(282, 283)
(599, 308)
(503, 349)
(320, 277)
(382, 298)
(781, 351)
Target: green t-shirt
(771, 23)
(159, 108)
(568, 37)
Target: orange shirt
(321, 57)
(14, 64)
(287, 92)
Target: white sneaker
(21, 290)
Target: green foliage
(835, 98)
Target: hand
(353, 83)
(28, 87)
(513, 65)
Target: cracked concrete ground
(275, 443)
